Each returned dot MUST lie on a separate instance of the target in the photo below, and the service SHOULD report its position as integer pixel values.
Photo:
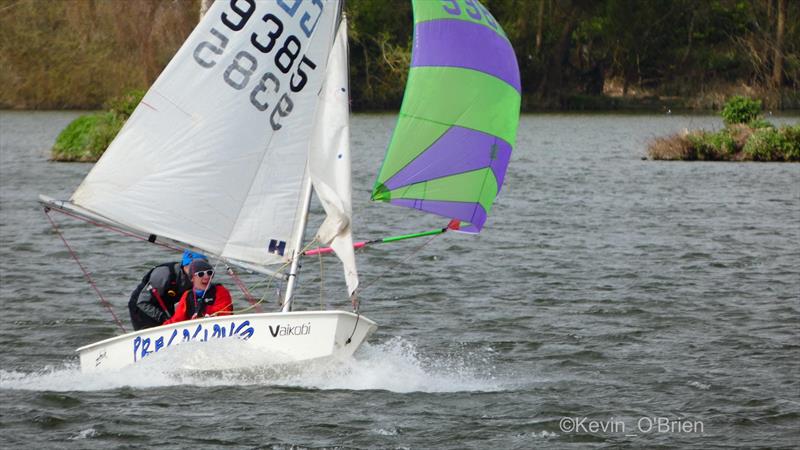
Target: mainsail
(458, 122)
(215, 156)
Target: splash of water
(395, 366)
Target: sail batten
(458, 121)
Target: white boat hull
(290, 337)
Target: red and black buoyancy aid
(195, 304)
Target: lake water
(610, 301)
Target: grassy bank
(736, 143)
(746, 137)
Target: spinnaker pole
(453, 225)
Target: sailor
(205, 298)
(153, 301)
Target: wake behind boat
(253, 112)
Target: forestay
(458, 122)
(215, 155)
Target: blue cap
(189, 256)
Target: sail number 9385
(269, 39)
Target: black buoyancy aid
(172, 291)
(195, 304)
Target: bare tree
(539, 26)
(777, 64)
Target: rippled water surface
(610, 301)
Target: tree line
(573, 54)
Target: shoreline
(707, 103)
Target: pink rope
(326, 250)
(103, 301)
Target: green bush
(698, 147)
(123, 106)
(87, 137)
(74, 136)
(722, 142)
(711, 146)
(770, 144)
(762, 145)
(791, 142)
(741, 110)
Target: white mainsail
(329, 161)
(215, 155)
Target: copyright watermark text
(630, 427)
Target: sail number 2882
(266, 91)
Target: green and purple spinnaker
(458, 123)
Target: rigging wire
(247, 295)
(86, 274)
(354, 298)
(263, 298)
(403, 261)
(236, 279)
(321, 279)
(356, 303)
(274, 276)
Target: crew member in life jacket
(205, 298)
(153, 301)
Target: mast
(297, 250)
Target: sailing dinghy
(253, 113)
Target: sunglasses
(203, 273)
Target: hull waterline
(283, 337)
